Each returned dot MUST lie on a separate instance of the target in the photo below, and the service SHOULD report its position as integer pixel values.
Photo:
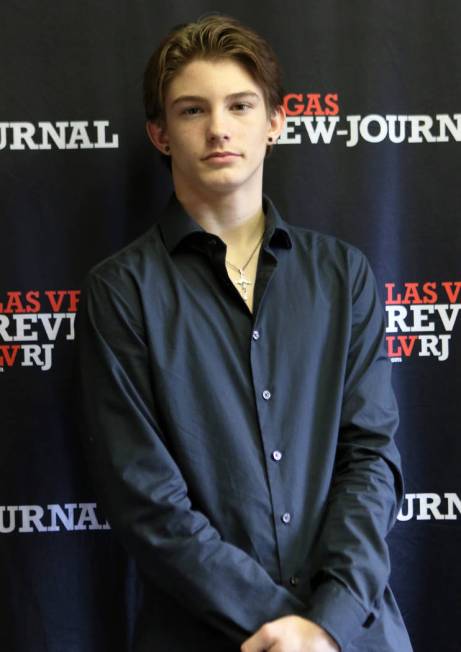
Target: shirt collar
(177, 225)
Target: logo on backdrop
(71, 517)
(316, 118)
(421, 318)
(79, 134)
(75, 517)
(31, 323)
(430, 507)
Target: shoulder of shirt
(126, 260)
(325, 243)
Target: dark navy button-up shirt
(246, 460)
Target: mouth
(221, 155)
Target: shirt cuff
(335, 609)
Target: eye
(191, 110)
(242, 107)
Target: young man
(237, 399)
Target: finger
(261, 641)
(253, 644)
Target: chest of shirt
(211, 359)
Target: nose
(218, 127)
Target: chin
(224, 183)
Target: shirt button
(276, 455)
(256, 335)
(294, 581)
(266, 394)
(286, 518)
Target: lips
(221, 155)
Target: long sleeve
(351, 555)
(140, 486)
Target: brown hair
(212, 36)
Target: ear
(158, 136)
(276, 123)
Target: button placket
(270, 439)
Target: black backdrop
(370, 154)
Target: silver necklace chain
(243, 281)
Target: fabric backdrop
(370, 154)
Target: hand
(290, 634)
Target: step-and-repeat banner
(370, 153)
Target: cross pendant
(244, 282)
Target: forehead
(211, 79)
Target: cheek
(259, 141)
(186, 139)
(259, 132)
(182, 141)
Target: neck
(238, 220)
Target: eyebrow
(198, 98)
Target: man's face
(214, 107)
